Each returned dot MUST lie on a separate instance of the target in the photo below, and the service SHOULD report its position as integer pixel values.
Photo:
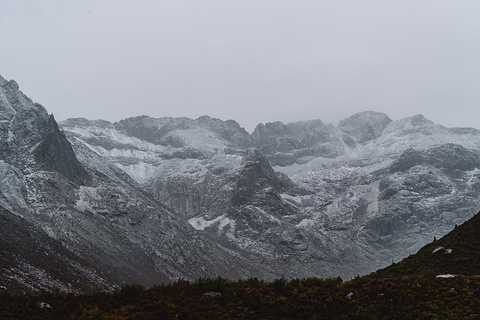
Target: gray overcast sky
(252, 61)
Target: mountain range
(90, 204)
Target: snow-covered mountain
(307, 198)
(74, 221)
(149, 200)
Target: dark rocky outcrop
(449, 156)
(256, 176)
(55, 153)
(275, 137)
(259, 185)
(287, 144)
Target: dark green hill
(460, 255)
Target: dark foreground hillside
(415, 297)
(457, 253)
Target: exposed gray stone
(365, 126)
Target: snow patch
(445, 276)
(296, 200)
(225, 222)
(199, 223)
(442, 250)
(437, 249)
(86, 195)
(140, 172)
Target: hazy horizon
(250, 61)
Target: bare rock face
(168, 131)
(256, 176)
(299, 142)
(55, 153)
(365, 126)
(448, 156)
(22, 123)
(29, 135)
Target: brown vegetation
(412, 297)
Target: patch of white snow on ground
(438, 249)
(86, 195)
(140, 172)
(225, 222)
(297, 200)
(127, 153)
(199, 223)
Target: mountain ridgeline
(150, 200)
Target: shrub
(4, 293)
(217, 284)
(129, 292)
(317, 282)
(279, 284)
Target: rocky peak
(180, 132)
(277, 137)
(365, 126)
(417, 124)
(299, 142)
(12, 84)
(229, 130)
(448, 156)
(274, 137)
(85, 123)
(55, 153)
(256, 178)
(11, 94)
(139, 127)
(416, 132)
(22, 122)
(29, 124)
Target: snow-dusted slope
(338, 200)
(108, 228)
(149, 200)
